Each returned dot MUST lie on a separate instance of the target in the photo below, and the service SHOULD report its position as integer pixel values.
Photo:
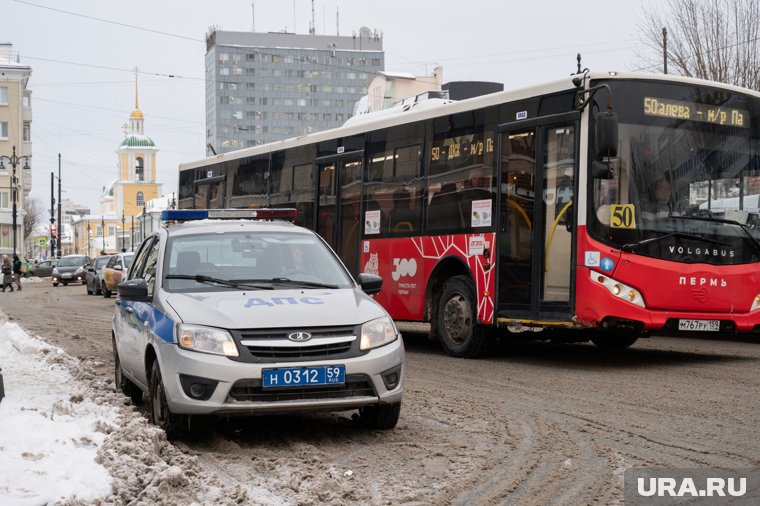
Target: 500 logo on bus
(404, 267)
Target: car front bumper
(229, 375)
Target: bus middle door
(536, 235)
(339, 197)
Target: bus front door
(536, 224)
(338, 206)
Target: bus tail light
(627, 293)
(755, 303)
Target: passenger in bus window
(402, 217)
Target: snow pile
(67, 437)
(50, 428)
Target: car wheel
(55, 284)
(174, 425)
(122, 382)
(456, 325)
(380, 416)
(106, 291)
(615, 341)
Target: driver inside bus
(664, 204)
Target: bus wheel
(455, 318)
(614, 341)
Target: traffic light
(53, 230)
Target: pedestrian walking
(7, 272)
(17, 271)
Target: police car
(221, 315)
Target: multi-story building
(15, 132)
(264, 87)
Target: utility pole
(52, 214)
(60, 224)
(665, 50)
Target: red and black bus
(605, 206)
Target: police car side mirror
(370, 283)
(135, 290)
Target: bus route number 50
(622, 216)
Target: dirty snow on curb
(50, 428)
(67, 438)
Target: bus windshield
(686, 183)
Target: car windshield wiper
(633, 245)
(711, 218)
(291, 282)
(234, 283)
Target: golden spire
(137, 113)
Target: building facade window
(140, 201)
(139, 169)
(4, 130)
(3, 95)
(3, 200)
(6, 235)
(27, 131)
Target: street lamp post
(89, 230)
(142, 229)
(132, 234)
(13, 160)
(103, 233)
(123, 249)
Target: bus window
(461, 177)
(249, 182)
(393, 187)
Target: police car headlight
(79, 270)
(206, 340)
(378, 333)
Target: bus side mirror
(601, 170)
(606, 134)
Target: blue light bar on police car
(288, 214)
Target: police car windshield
(212, 261)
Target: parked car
(92, 276)
(112, 273)
(70, 269)
(252, 317)
(43, 269)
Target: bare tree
(33, 210)
(717, 40)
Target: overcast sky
(83, 85)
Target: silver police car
(221, 315)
